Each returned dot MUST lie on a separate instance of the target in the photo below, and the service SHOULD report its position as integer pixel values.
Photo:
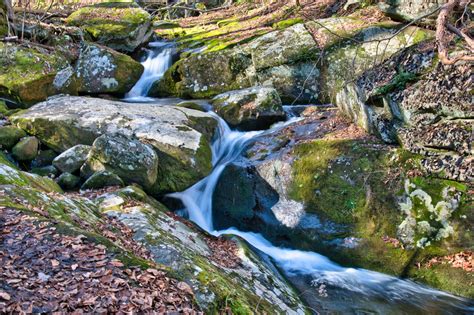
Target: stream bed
(325, 286)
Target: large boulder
(121, 26)
(30, 75)
(102, 70)
(282, 59)
(250, 109)
(287, 46)
(180, 136)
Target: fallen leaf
(4, 295)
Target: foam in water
(158, 60)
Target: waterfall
(370, 285)
(159, 59)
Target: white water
(198, 205)
(158, 60)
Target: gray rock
(278, 48)
(48, 171)
(72, 159)
(180, 136)
(102, 70)
(26, 149)
(102, 179)
(67, 181)
(250, 109)
(409, 10)
(132, 160)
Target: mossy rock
(102, 179)
(118, 26)
(9, 175)
(68, 181)
(9, 136)
(26, 149)
(29, 75)
(102, 70)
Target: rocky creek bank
(382, 178)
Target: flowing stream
(158, 59)
(325, 285)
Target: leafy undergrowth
(44, 271)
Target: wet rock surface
(249, 109)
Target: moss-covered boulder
(102, 179)
(180, 136)
(205, 75)
(102, 70)
(250, 109)
(9, 136)
(26, 149)
(30, 75)
(68, 181)
(120, 26)
(10, 175)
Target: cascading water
(395, 294)
(372, 291)
(159, 58)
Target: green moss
(446, 278)
(27, 74)
(229, 296)
(6, 161)
(398, 82)
(323, 180)
(286, 23)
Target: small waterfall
(159, 59)
(369, 288)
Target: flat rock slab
(180, 136)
